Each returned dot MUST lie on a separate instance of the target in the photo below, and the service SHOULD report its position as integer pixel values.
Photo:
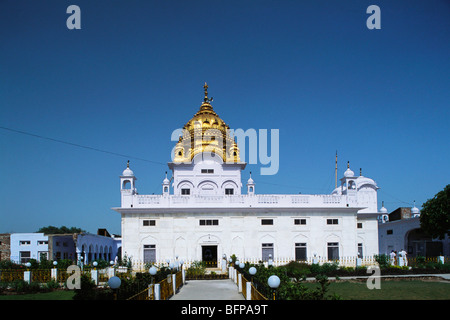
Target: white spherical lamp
(114, 282)
(153, 270)
(273, 282)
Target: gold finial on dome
(206, 101)
(206, 92)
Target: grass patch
(53, 295)
(390, 290)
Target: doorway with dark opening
(209, 256)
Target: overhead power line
(80, 145)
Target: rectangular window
(333, 250)
(42, 242)
(147, 223)
(185, 191)
(300, 221)
(24, 243)
(359, 225)
(300, 252)
(210, 222)
(332, 221)
(149, 253)
(266, 222)
(267, 251)
(207, 170)
(43, 255)
(229, 191)
(389, 231)
(24, 256)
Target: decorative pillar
(174, 283)
(157, 291)
(249, 290)
(239, 282)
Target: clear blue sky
(135, 72)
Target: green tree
(60, 230)
(435, 214)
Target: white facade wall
(242, 234)
(220, 176)
(396, 239)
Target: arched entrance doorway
(209, 250)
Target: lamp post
(152, 272)
(114, 284)
(252, 272)
(273, 282)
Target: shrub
(196, 269)
(383, 260)
(297, 269)
(87, 289)
(9, 264)
(52, 285)
(63, 264)
(21, 286)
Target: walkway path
(208, 290)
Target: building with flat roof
(83, 246)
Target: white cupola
(348, 186)
(166, 186)
(250, 185)
(384, 216)
(127, 186)
(128, 180)
(383, 209)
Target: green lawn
(391, 290)
(54, 295)
(347, 290)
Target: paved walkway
(208, 290)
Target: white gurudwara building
(204, 213)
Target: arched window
(351, 185)
(126, 184)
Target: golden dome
(206, 132)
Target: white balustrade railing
(236, 201)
